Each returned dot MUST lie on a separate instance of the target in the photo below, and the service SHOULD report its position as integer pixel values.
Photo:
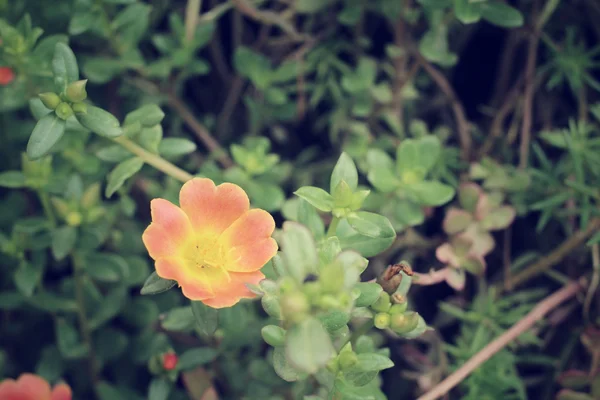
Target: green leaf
(68, 341)
(175, 147)
(334, 320)
(367, 367)
(122, 172)
(283, 368)
(381, 171)
(371, 224)
(147, 115)
(28, 276)
(467, 11)
(307, 215)
(499, 218)
(105, 267)
(273, 335)
(369, 293)
(253, 66)
(131, 24)
(365, 245)
(12, 179)
(299, 251)
(52, 303)
(114, 153)
(430, 149)
(329, 249)
(501, 14)
(155, 284)
(159, 389)
(48, 130)
(344, 170)
(308, 346)
(407, 156)
(63, 241)
(101, 122)
(432, 193)
(311, 6)
(196, 357)
(316, 196)
(64, 66)
(179, 319)
(207, 318)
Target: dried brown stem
(464, 134)
(557, 255)
(538, 312)
(199, 130)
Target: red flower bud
(170, 361)
(6, 76)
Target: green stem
(192, 12)
(45, 200)
(333, 226)
(155, 160)
(84, 326)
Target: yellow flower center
(204, 251)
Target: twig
(528, 99)
(268, 18)
(464, 134)
(538, 312)
(594, 283)
(557, 255)
(192, 12)
(200, 130)
(233, 96)
(506, 67)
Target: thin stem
(539, 311)
(192, 12)
(45, 200)
(464, 134)
(594, 283)
(556, 256)
(155, 160)
(84, 326)
(431, 278)
(333, 226)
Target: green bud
(49, 99)
(76, 91)
(74, 218)
(347, 359)
(91, 196)
(398, 308)
(61, 206)
(382, 304)
(273, 335)
(294, 306)
(328, 302)
(64, 111)
(404, 323)
(79, 108)
(382, 320)
(312, 289)
(333, 366)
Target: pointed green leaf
(48, 130)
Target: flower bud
(347, 359)
(7, 75)
(294, 306)
(74, 218)
(271, 305)
(169, 361)
(404, 323)
(64, 111)
(382, 320)
(76, 91)
(50, 100)
(328, 302)
(79, 108)
(382, 304)
(398, 308)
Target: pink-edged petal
(212, 207)
(34, 387)
(251, 227)
(170, 229)
(231, 294)
(62, 391)
(9, 390)
(251, 257)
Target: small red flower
(6, 76)
(170, 361)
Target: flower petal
(62, 391)
(203, 283)
(231, 294)
(250, 228)
(212, 207)
(176, 269)
(9, 390)
(251, 257)
(33, 387)
(170, 229)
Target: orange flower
(6, 76)
(213, 245)
(32, 387)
